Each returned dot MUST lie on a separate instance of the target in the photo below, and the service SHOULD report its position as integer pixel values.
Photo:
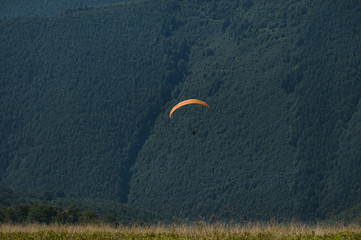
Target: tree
(22, 212)
(2, 214)
(111, 219)
(73, 214)
(89, 216)
(60, 194)
(42, 213)
(10, 215)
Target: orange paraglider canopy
(186, 102)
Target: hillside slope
(85, 96)
(22, 8)
(284, 85)
(79, 93)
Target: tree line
(48, 213)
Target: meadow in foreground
(195, 231)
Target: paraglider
(186, 102)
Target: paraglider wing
(186, 102)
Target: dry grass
(195, 231)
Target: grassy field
(196, 231)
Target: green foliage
(18, 8)
(10, 215)
(85, 97)
(88, 108)
(7, 196)
(284, 85)
(111, 219)
(25, 208)
(43, 213)
(90, 217)
(350, 215)
(48, 213)
(73, 213)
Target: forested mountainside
(79, 94)
(283, 80)
(86, 94)
(22, 8)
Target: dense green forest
(283, 138)
(22, 8)
(49, 207)
(81, 109)
(86, 94)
